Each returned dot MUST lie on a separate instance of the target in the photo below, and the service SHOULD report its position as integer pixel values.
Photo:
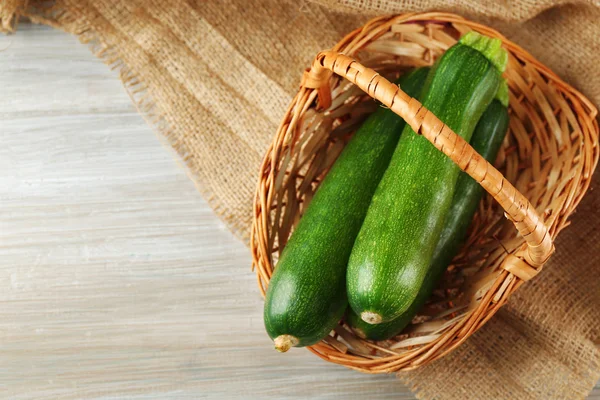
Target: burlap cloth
(214, 77)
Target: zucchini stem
(284, 342)
(502, 93)
(491, 48)
(371, 317)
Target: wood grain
(118, 281)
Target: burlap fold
(214, 77)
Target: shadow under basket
(543, 170)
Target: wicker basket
(544, 169)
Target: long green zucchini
(307, 294)
(395, 245)
(487, 139)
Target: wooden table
(118, 281)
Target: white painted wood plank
(117, 280)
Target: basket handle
(517, 208)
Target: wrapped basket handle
(517, 208)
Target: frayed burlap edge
(10, 12)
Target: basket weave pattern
(543, 170)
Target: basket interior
(548, 155)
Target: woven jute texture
(215, 76)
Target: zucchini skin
(487, 140)
(395, 245)
(306, 296)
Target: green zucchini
(306, 296)
(486, 140)
(395, 245)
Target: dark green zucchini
(395, 245)
(487, 139)
(307, 293)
